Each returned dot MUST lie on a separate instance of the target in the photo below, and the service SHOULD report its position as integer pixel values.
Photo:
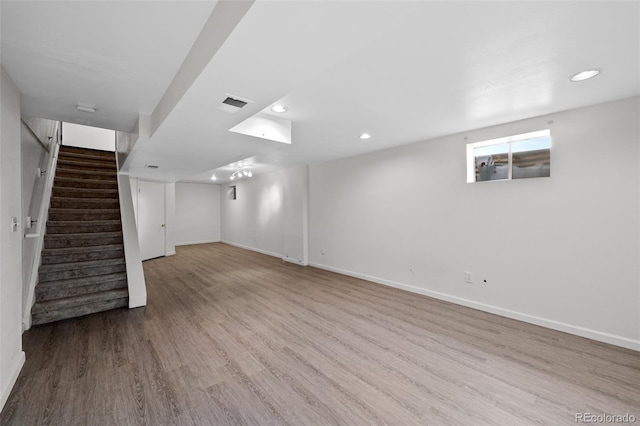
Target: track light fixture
(242, 171)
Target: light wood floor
(235, 337)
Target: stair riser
(80, 174)
(85, 151)
(57, 203)
(73, 216)
(84, 193)
(59, 242)
(79, 227)
(51, 292)
(78, 311)
(93, 167)
(52, 259)
(69, 156)
(61, 183)
(79, 273)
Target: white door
(151, 224)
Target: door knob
(163, 225)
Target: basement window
(523, 156)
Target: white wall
(88, 137)
(11, 354)
(197, 213)
(268, 214)
(562, 252)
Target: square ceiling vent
(233, 104)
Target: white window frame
(471, 162)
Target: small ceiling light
(83, 108)
(279, 109)
(365, 136)
(213, 177)
(233, 177)
(584, 75)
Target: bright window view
(515, 157)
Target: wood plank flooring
(234, 337)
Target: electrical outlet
(14, 224)
(467, 277)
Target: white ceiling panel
(116, 56)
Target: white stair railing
(41, 226)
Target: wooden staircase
(83, 267)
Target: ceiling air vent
(151, 166)
(233, 104)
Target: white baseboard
(190, 243)
(295, 261)
(532, 319)
(170, 253)
(269, 253)
(7, 387)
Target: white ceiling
(402, 71)
(116, 56)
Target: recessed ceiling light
(213, 177)
(365, 136)
(584, 75)
(279, 108)
(85, 109)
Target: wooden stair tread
(94, 190)
(92, 164)
(72, 250)
(84, 235)
(81, 265)
(90, 200)
(87, 222)
(84, 281)
(86, 172)
(91, 157)
(70, 179)
(68, 302)
(65, 210)
(79, 311)
(61, 181)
